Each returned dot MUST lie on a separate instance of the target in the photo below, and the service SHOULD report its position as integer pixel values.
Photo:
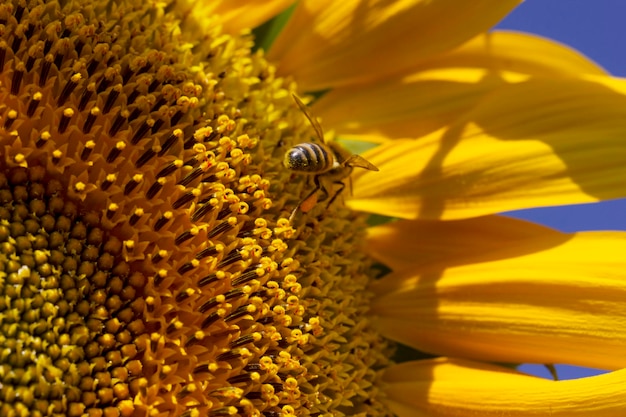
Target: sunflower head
(147, 265)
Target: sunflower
(158, 259)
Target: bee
(327, 162)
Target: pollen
(147, 263)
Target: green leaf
(266, 33)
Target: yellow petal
(440, 90)
(454, 388)
(237, 15)
(518, 52)
(537, 143)
(540, 303)
(411, 106)
(328, 43)
(418, 244)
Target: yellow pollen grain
(20, 160)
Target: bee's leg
(341, 185)
(318, 186)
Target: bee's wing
(316, 126)
(359, 162)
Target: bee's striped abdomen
(309, 157)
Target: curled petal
(522, 53)
(418, 244)
(537, 143)
(455, 388)
(442, 89)
(540, 303)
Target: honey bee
(326, 161)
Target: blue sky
(595, 28)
